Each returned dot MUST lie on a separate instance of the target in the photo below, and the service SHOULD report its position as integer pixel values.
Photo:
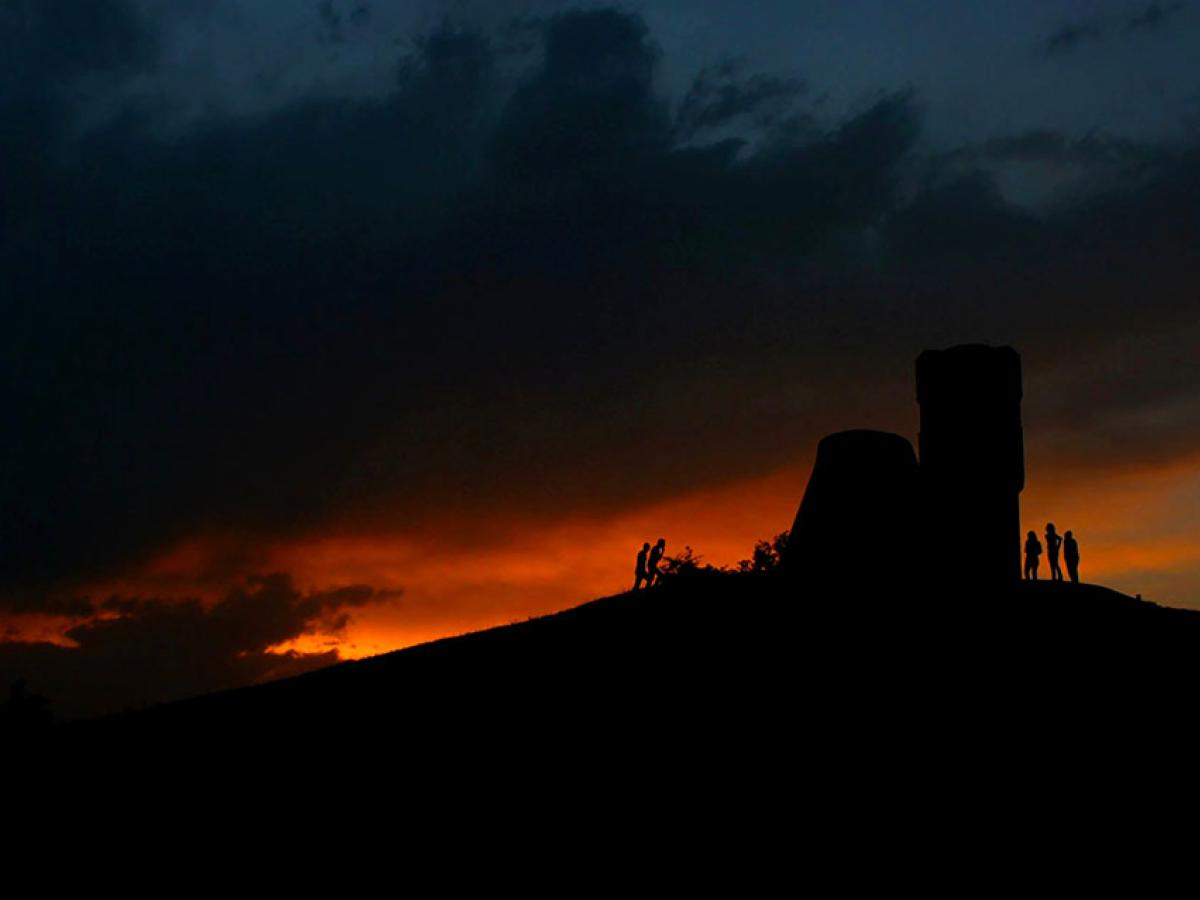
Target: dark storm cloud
(335, 17)
(590, 107)
(1072, 35)
(1056, 147)
(721, 95)
(67, 39)
(145, 651)
(1068, 37)
(1131, 402)
(1153, 15)
(464, 297)
(1137, 224)
(53, 55)
(331, 21)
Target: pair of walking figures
(648, 559)
(1070, 553)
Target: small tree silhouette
(768, 555)
(686, 563)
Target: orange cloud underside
(1138, 531)
(531, 569)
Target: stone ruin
(874, 514)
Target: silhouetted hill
(753, 724)
(698, 667)
(631, 660)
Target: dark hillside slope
(762, 728)
(703, 662)
(731, 712)
(628, 663)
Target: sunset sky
(333, 327)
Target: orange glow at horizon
(531, 570)
(1138, 531)
(1138, 528)
(1137, 534)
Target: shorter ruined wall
(857, 522)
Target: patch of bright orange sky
(1137, 528)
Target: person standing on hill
(1071, 556)
(1033, 549)
(639, 573)
(656, 555)
(1053, 542)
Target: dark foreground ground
(709, 665)
(761, 727)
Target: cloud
(1069, 37)
(510, 284)
(66, 40)
(331, 21)
(54, 56)
(1154, 15)
(721, 95)
(1046, 145)
(590, 105)
(334, 18)
(141, 651)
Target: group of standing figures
(1070, 554)
(648, 559)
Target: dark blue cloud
(723, 95)
(464, 296)
(1154, 15)
(1070, 36)
(145, 651)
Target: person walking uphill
(639, 573)
(1033, 549)
(1071, 556)
(656, 555)
(1053, 542)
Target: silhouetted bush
(687, 563)
(767, 555)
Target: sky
(332, 327)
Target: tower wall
(972, 461)
(854, 527)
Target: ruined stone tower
(856, 524)
(972, 462)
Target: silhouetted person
(656, 555)
(639, 573)
(1033, 549)
(1071, 557)
(1053, 542)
